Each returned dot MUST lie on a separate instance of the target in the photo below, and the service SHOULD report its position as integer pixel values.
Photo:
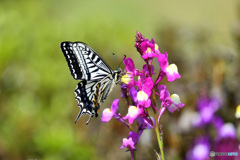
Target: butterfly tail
(80, 114)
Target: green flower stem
(160, 141)
(159, 136)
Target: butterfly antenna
(114, 59)
(122, 61)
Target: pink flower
(108, 113)
(130, 141)
(130, 73)
(143, 99)
(164, 96)
(133, 113)
(171, 70)
(176, 103)
(148, 49)
(171, 102)
(145, 85)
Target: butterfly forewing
(72, 60)
(84, 62)
(97, 78)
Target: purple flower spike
(108, 113)
(139, 90)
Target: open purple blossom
(130, 73)
(130, 141)
(143, 99)
(133, 113)
(147, 48)
(146, 85)
(164, 96)
(176, 103)
(171, 102)
(171, 70)
(108, 113)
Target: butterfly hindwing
(86, 94)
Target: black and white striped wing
(86, 92)
(84, 63)
(97, 78)
(90, 94)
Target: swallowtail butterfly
(97, 79)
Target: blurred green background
(37, 105)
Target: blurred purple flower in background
(200, 149)
(225, 139)
(207, 106)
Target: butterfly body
(97, 79)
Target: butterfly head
(117, 75)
